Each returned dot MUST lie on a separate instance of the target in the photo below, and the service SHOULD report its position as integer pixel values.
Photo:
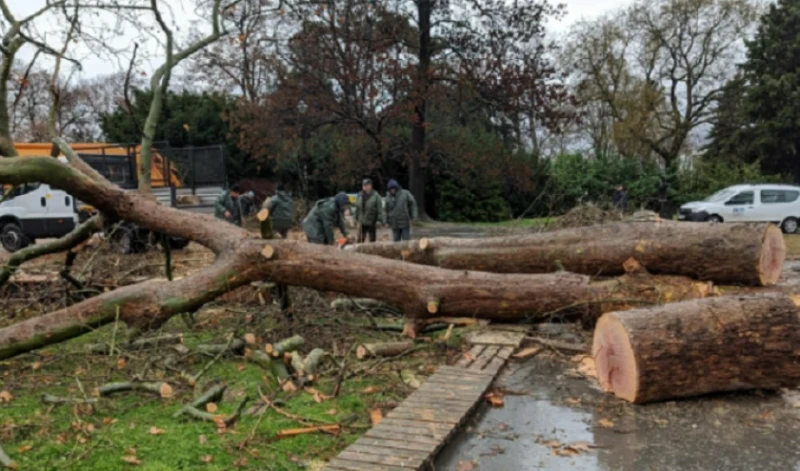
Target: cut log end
(773, 253)
(361, 352)
(268, 251)
(433, 306)
(614, 359)
(424, 243)
(263, 215)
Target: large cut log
(699, 347)
(724, 253)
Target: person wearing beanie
(231, 205)
(401, 209)
(281, 209)
(326, 214)
(369, 211)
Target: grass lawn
(136, 430)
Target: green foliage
(766, 125)
(459, 201)
(188, 119)
(575, 179)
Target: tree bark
(410, 287)
(386, 349)
(724, 253)
(699, 347)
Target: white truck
(35, 211)
(779, 204)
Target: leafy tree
(772, 97)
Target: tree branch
(79, 235)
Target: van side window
(779, 196)
(20, 190)
(745, 197)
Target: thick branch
(119, 204)
(80, 234)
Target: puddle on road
(750, 431)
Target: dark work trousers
(401, 233)
(370, 231)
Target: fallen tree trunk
(419, 291)
(699, 347)
(723, 253)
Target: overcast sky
(180, 17)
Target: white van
(35, 211)
(748, 203)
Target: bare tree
(657, 67)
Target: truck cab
(35, 211)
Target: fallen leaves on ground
(585, 366)
(37, 366)
(465, 466)
(6, 396)
(495, 398)
(121, 363)
(25, 448)
(332, 412)
(131, 460)
(375, 416)
(202, 439)
(572, 449)
(156, 431)
(605, 423)
(370, 390)
(573, 401)
(207, 459)
(527, 353)
(318, 396)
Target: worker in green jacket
(401, 208)
(369, 211)
(324, 216)
(280, 207)
(231, 205)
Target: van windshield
(719, 196)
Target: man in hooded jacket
(326, 214)
(369, 211)
(401, 209)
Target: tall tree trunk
(725, 253)
(417, 173)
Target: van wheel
(789, 226)
(13, 238)
(714, 218)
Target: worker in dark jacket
(324, 216)
(280, 207)
(401, 209)
(231, 205)
(369, 211)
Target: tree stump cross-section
(411, 434)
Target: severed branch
(214, 394)
(79, 235)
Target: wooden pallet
(411, 434)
